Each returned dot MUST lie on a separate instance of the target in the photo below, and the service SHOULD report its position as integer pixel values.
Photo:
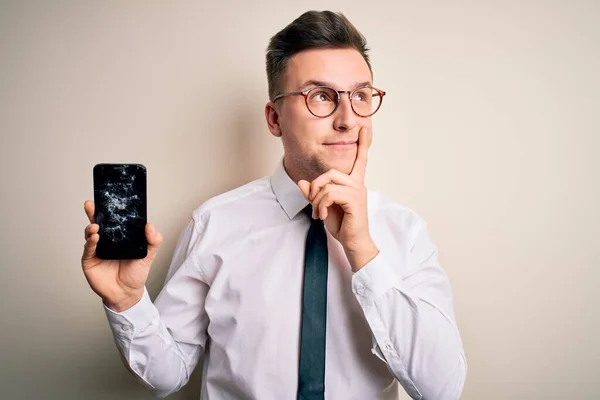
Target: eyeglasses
(322, 101)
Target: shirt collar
(286, 191)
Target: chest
(257, 285)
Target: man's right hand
(120, 283)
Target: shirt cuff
(134, 318)
(373, 280)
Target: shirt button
(388, 347)
(360, 290)
(125, 327)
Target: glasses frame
(339, 93)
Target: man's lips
(341, 143)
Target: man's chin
(339, 165)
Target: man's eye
(360, 96)
(321, 96)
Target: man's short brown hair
(312, 30)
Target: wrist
(124, 303)
(359, 256)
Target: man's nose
(344, 117)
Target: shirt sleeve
(412, 320)
(161, 342)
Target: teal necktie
(311, 373)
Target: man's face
(313, 145)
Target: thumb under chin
(304, 187)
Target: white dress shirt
(233, 293)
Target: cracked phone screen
(120, 198)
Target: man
(304, 284)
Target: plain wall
(489, 130)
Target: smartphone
(120, 199)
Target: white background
(489, 130)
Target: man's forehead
(341, 68)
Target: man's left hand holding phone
(120, 245)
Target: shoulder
(235, 201)
(387, 212)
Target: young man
(304, 284)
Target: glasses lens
(365, 101)
(321, 101)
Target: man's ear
(272, 117)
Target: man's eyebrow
(313, 82)
(360, 84)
